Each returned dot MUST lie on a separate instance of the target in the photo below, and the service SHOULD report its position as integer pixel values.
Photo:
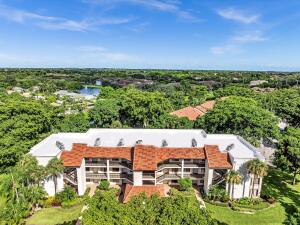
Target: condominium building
(148, 157)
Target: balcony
(120, 165)
(169, 165)
(95, 164)
(168, 177)
(193, 176)
(96, 176)
(150, 176)
(193, 165)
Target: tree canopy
(242, 116)
(287, 156)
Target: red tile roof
(189, 112)
(217, 159)
(74, 157)
(192, 113)
(131, 191)
(146, 157)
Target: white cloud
(220, 50)
(57, 23)
(159, 5)
(249, 38)
(105, 54)
(238, 15)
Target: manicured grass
(278, 184)
(271, 216)
(52, 216)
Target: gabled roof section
(146, 157)
(189, 112)
(217, 159)
(131, 191)
(74, 157)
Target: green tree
(23, 122)
(105, 113)
(233, 177)
(74, 123)
(55, 168)
(257, 169)
(287, 156)
(185, 184)
(240, 116)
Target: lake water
(90, 91)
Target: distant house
(18, 89)
(192, 113)
(255, 83)
(98, 82)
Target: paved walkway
(198, 197)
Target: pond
(90, 91)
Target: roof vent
(97, 142)
(164, 143)
(203, 133)
(194, 142)
(60, 145)
(229, 147)
(121, 142)
(139, 142)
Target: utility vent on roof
(203, 133)
(229, 147)
(194, 142)
(164, 143)
(97, 142)
(139, 141)
(121, 142)
(60, 145)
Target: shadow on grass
(276, 184)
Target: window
(115, 170)
(187, 170)
(256, 180)
(188, 160)
(115, 160)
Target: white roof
(174, 137)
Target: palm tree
(256, 168)
(54, 168)
(233, 177)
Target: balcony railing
(96, 176)
(120, 165)
(148, 176)
(98, 164)
(169, 165)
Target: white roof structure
(239, 148)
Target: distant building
(18, 89)
(146, 160)
(254, 83)
(192, 113)
(98, 82)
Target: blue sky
(169, 34)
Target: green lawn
(279, 184)
(52, 216)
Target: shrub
(294, 217)
(104, 185)
(185, 184)
(218, 193)
(74, 202)
(51, 201)
(68, 194)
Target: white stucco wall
(208, 177)
(81, 178)
(137, 178)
